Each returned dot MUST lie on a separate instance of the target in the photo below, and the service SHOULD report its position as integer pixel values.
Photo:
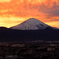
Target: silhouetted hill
(49, 28)
(3, 28)
(28, 35)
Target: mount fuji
(31, 24)
(30, 30)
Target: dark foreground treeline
(29, 51)
(28, 35)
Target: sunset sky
(13, 12)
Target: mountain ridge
(12, 35)
(46, 33)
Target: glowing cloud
(44, 10)
(5, 0)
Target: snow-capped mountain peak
(31, 24)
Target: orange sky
(13, 12)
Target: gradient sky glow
(13, 12)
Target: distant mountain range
(30, 30)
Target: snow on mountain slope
(31, 24)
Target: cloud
(16, 8)
(44, 10)
(53, 11)
(5, 1)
